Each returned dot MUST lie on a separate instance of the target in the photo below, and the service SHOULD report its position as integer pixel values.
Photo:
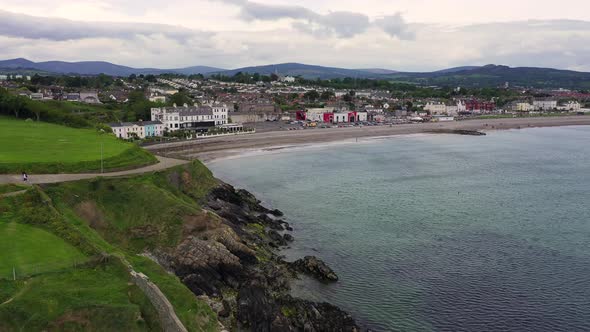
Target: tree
(180, 98)
(312, 95)
(327, 95)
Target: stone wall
(168, 318)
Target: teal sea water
(440, 232)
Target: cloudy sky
(394, 34)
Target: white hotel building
(197, 118)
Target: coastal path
(164, 163)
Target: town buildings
(571, 106)
(544, 104)
(287, 79)
(140, 129)
(87, 97)
(195, 118)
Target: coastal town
(142, 107)
(282, 166)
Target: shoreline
(212, 149)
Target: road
(164, 163)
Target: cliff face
(220, 242)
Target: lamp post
(101, 152)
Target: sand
(210, 149)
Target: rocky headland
(231, 260)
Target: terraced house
(140, 129)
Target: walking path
(164, 163)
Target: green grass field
(30, 250)
(39, 147)
(84, 299)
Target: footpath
(164, 163)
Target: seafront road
(164, 163)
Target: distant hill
(456, 69)
(95, 68)
(306, 71)
(379, 71)
(494, 75)
(468, 76)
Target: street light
(101, 152)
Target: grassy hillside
(32, 250)
(38, 147)
(9, 188)
(106, 223)
(138, 213)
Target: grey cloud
(340, 23)
(257, 11)
(396, 26)
(57, 29)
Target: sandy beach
(209, 149)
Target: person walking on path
(25, 177)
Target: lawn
(39, 147)
(30, 250)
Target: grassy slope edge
(121, 217)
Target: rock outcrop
(231, 260)
(315, 267)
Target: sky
(407, 35)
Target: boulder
(315, 267)
(204, 266)
(276, 213)
(276, 238)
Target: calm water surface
(440, 232)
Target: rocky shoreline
(235, 267)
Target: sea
(439, 232)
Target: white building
(191, 118)
(340, 117)
(157, 99)
(571, 106)
(442, 118)
(36, 96)
(435, 107)
(544, 105)
(373, 109)
(287, 79)
(317, 114)
(523, 107)
(343, 117)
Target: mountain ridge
(97, 67)
(468, 76)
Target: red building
(476, 106)
(328, 117)
(300, 115)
